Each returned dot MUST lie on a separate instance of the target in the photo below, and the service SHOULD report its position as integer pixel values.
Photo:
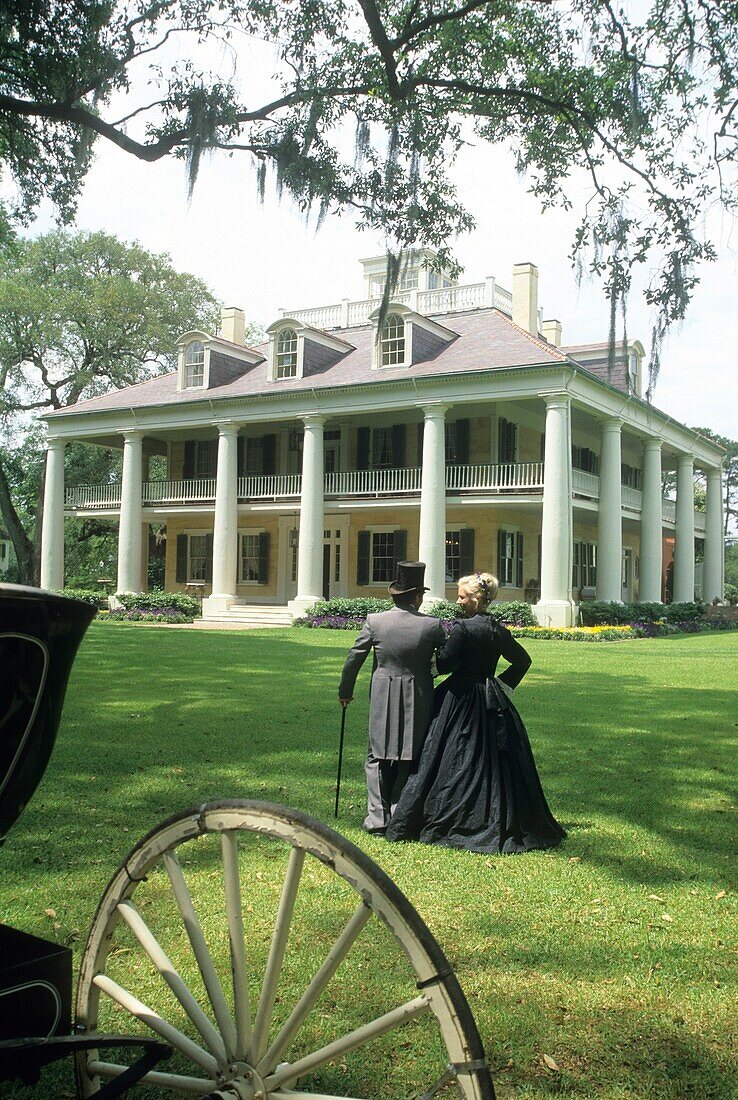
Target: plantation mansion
(461, 431)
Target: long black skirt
(476, 784)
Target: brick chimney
(551, 331)
(233, 324)
(525, 297)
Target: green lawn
(606, 968)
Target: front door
(333, 564)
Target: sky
(263, 258)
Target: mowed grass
(606, 968)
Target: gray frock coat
(401, 692)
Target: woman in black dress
(476, 785)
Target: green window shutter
(362, 558)
(462, 442)
(519, 582)
(398, 446)
(209, 559)
(466, 551)
(264, 557)
(400, 549)
(188, 468)
(268, 444)
(420, 444)
(181, 574)
(362, 449)
(241, 455)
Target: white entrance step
(252, 614)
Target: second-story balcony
(493, 479)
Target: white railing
(187, 491)
(585, 484)
(668, 510)
(452, 299)
(372, 482)
(257, 486)
(93, 496)
(523, 476)
(700, 523)
(632, 499)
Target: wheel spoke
(152, 1019)
(163, 964)
(197, 1086)
(201, 952)
(231, 878)
(277, 950)
(333, 960)
(285, 1075)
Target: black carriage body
(40, 633)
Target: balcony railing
(519, 476)
(505, 477)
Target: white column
(131, 515)
(555, 607)
(310, 546)
(225, 523)
(52, 527)
(652, 542)
(432, 532)
(609, 519)
(684, 543)
(712, 577)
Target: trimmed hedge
(601, 612)
(157, 601)
(92, 596)
(350, 614)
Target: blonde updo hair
(482, 586)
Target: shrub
(93, 596)
(155, 615)
(731, 594)
(155, 601)
(514, 613)
(600, 612)
(445, 610)
(357, 608)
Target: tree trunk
(24, 550)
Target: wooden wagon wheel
(225, 987)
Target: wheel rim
(271, 885)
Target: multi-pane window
(393, 341)
(453, 556)
(383, 556)
(248, 557)
(286, 354)
(510, 559)
(205, 458)
(197, 552)
(438, 282)
(584, 569)
(381, 454)
(195, 363)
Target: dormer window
(286, 365)
(194, 364)
(393, 341)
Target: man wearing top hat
(401, 690)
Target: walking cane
(340, 758)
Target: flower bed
(576, 633)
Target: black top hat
(410, 577)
